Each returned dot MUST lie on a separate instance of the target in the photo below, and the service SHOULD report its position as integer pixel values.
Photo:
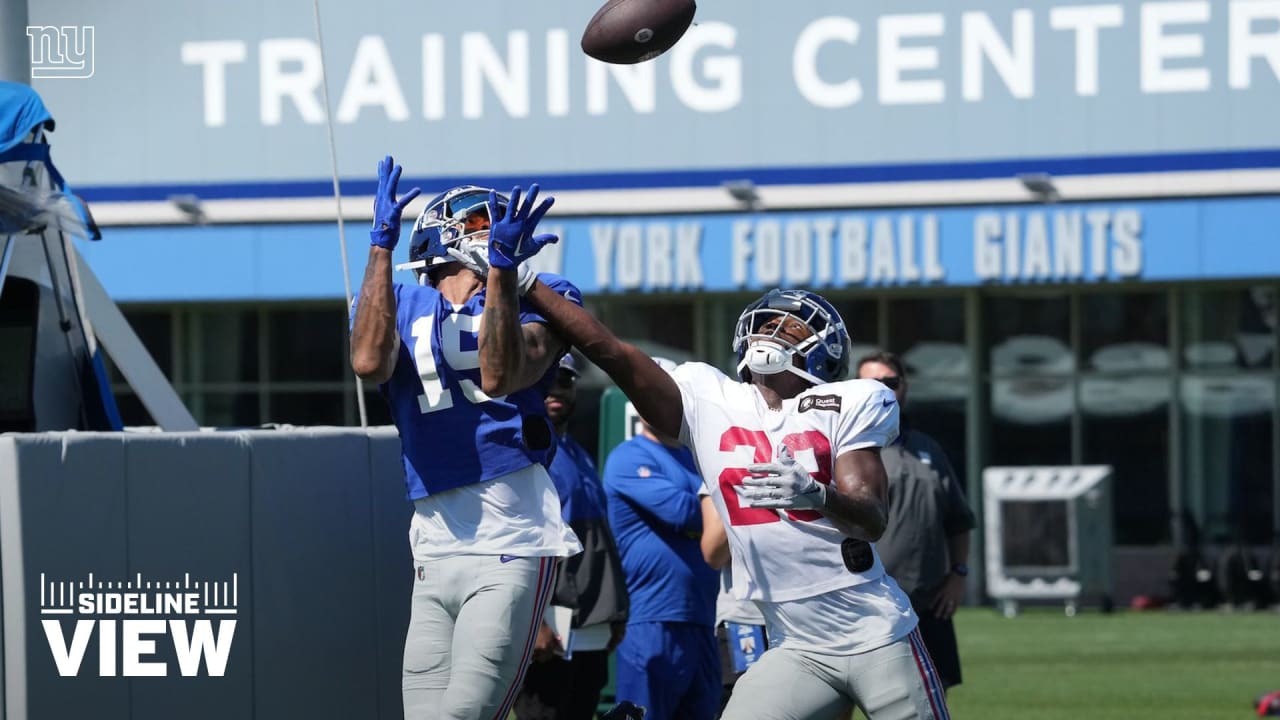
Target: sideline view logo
(127, 617)
(65, 52)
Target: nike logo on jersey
(507, 558)
(889, 402)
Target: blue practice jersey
(577, 482)
(656, 517)
(451, 433)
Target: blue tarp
(21, 111)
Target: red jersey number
(731, 478)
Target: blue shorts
(672, 669)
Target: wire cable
(337, 196)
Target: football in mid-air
(626, 32)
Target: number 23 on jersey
(731, 477)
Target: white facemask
(765, 357)
(769, 357)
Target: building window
(309, 408)
(929, 335)
(242, 366)
(1124, 391)
(658, 327)
(307, 345)
(862, 319)
(227, 349)
(1229, 328)
(1227, 400)
(1032, 379)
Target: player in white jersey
(790, 455)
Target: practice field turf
(1157, 665)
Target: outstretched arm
(653, 392)
(512, 357)
(374, 341)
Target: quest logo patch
(829, 403)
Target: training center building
(1063, 215)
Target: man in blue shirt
(568, 673)
(668, 661)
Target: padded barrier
(313, 523)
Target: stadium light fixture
(1041, 186)
(745, 192)
(191, 206)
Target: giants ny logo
(127, 619)
(65, 52)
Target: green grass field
(1042, 665)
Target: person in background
(668, 662)
(925, 546)
(568, 673)
(740, 629)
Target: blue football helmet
(443, 223)
(825, 352)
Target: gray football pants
(472, 627)
(895, 682)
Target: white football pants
(895, 682)
(472, 628)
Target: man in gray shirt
(925, 546)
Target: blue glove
(475, 259)
(511, 238)
(386, 210)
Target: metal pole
(15, 49)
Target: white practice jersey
(782, 555)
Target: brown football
(626, 32)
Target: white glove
(475, 257)
(783, 484)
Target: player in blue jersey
(464, 363)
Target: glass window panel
(862, 320)
(1031, 421)
(916, 320)
(229, 346)
(376, 408)
(1228, 453)
(307, 408)
(584, 423)
(1028, 335)
(155, 330)
(1228, 328)
(928, 333)
(238, 409)
(656, 325)
(132, 413)
(307, 346)
(1124, 332)
(1126, 425)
